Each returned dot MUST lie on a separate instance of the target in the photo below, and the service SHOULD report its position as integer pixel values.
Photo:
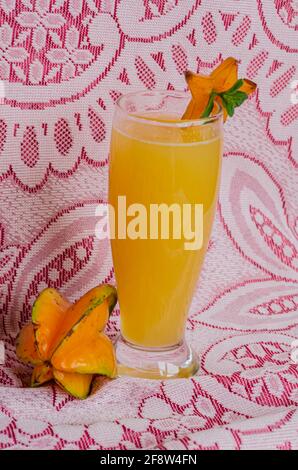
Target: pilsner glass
(157, 159)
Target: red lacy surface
(63, 64)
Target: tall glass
(159, 161)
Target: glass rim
(171, 93)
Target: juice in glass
(157, 159)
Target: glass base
(168, 363)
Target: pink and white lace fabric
(63, 64)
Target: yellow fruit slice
(78, 385)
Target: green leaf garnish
(230, 99)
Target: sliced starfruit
(53, 316)
(65, 341)
(222, 86)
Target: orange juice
(156, 278)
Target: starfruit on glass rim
(66, 342)
(222, 86)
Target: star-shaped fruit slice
(222, 86)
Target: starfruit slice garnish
(222, 86)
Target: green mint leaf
(209, 106)
(227, 104)
(237, 98)
(233, 100)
